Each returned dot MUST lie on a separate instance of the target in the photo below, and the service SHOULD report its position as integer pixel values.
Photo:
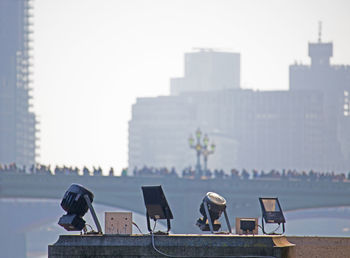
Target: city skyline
(93, 60)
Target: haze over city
(237, 106)
(94, 58)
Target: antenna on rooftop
(319, 31)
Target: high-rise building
(208, 70)
(306, 127)
(333, 82)
(17, 121)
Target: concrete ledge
(320, 247)
(173, 245)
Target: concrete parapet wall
(320, 247)
(140, 246)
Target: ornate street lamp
(206, 152)
(201, 149)
(198, 148)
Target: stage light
(212, 206)
(271, 213)
(156, 205)
(76, 202)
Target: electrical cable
(90, 227)
(154, 226)
(137, 227)
(178, 256)
(85, 231)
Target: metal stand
(149, 224)
(93, 214)
(210, 220)
(227, 222)
(263, 228)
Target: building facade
(17, 121)
(333, 83)
(159, 130)
(208, 70)
(303, 128)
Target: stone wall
(320, 247)
(141, 246)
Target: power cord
(177, 256)
(90, 227)
(84, 231)
(154, 226)
(137, 227)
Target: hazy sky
(93, 58)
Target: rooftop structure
(333, 83)
(208, 70)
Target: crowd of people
(57, 170)
(152, 171)
(187, 173)
(311, 175)
(284, 174)
(273, 174)
(12, 168)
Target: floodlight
(76, 202)
(156, 205)
(271, 212)
(247, 225)
(211, 208)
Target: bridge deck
(184, 195)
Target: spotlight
(156, 205)
(76, 202)
(271, 213)
(211, 208)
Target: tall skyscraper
(17, 121)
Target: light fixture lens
(270, 205)
(216, 199)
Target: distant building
(304, 128)
(17, 122)
(208, 70)
(269, 129)
(159, 130)
(333, 82)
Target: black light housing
(156, 205)
(76, 202)
(271, 212)
(212, 206)
(247, 225)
